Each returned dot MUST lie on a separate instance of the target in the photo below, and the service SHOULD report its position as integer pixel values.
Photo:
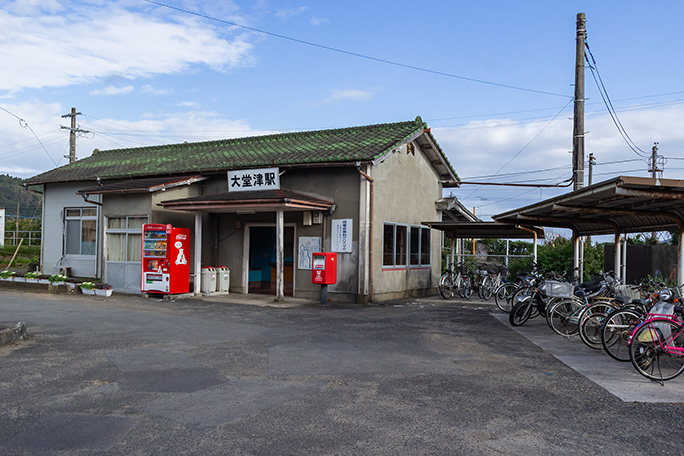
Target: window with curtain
(124, 238)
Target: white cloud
(24, 155)
(289, 13)
(112, 90)
(318, 20)
(345, 95)
(481, 149)
(89, 43)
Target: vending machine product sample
(165, 267)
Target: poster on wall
(341, 236)
(307, 247)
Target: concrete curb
(9, 335)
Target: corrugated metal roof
(624, 204)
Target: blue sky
(493, 79)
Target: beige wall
(406, 189)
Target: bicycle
(657, 345)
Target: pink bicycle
(656, 346)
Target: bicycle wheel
(486, 289)
(503, 296)
(467, 287)
(657, 349)
(446, 286)
(521, 311)
(615, 333)
(522, 294)
(563, 317)
(590, 329)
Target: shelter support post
(623, 266)
(618, 251)
(280, 246)
(198, 253)
(581, 259)
(576, 257)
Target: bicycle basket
(630, 291)
(556, 289)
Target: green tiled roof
(323, 146)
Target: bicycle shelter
(622, 205)
(487, 230)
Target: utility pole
(578, 119)
(654, 162)
(72, 134)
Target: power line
(25, 124)
(356, 54)
(609, 105)
(526, 145)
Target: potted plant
(32, 277)
(57, 279)
(6, 275)
(87, 288)
(43, 278)
(103, 289)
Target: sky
(494, 80)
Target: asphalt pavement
(234, 375)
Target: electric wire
(25, 124)
(609, 105)
(524, 147)
(355, 54)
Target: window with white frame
(80, 231)
(124, 238)
(420, 246)
(394, 244)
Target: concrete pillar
(280, 247)
(198, 253)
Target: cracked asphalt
(132, 376)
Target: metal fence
(29, 237)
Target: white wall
(55, 198)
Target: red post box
(324, 268)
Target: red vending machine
(165, 267)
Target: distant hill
(12, 192)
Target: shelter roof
(485, 230)
(624, 204)
(343, 146)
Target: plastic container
(223, 279)
(208, 284)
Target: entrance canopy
(621, 205)
(250, 202)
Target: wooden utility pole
(578, 123)
(72, 134)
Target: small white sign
(342, 236)
(246, 180)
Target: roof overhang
(485, 230)
(251, 202)
(153, 184)
(624, 204)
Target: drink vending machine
(165, 267)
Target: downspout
(370, 225)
